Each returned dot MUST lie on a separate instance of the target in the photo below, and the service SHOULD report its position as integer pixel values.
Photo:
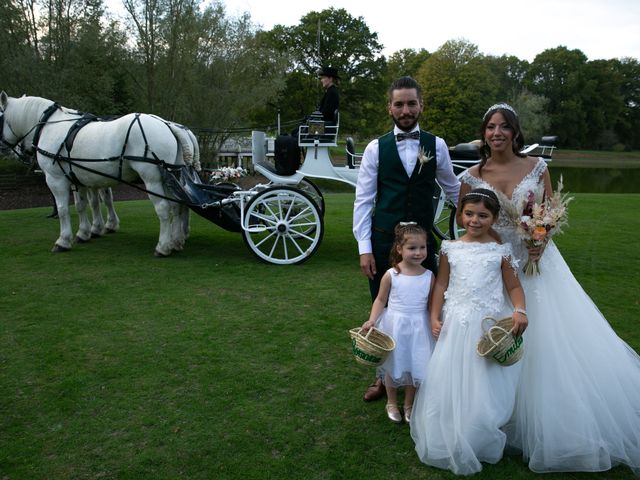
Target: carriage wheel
(282, 225)
(311, 189)
(444, 223)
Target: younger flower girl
(405, 287)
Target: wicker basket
(498, 343)
(373, 348)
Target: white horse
(101, 155)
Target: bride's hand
(535, 252)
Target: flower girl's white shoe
(393, 412)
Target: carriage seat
(353, 159)
(465, 151)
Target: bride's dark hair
(511, 118)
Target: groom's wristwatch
(520, 310)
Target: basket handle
(488, 330)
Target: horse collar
(43, 120)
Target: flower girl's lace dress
(457, 418)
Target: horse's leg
(164, 212)
(97, 225)
(177, 226)
(60, 189)
(185, 220)
(84, 226)
(113, 222)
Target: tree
(509, 72)
(334, 38)
(532, 114)
(559, 75)
(628, 124)
(458, 86)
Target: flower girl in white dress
(401, 311)
(457, 418)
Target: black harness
(63, 154)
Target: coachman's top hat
(328, 72)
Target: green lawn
(211, 365)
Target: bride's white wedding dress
(578, 400)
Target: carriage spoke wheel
(311, 189)
(444, 222)
(282, 225)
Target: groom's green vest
(401, 198)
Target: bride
(578, 400)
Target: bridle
(37, 128)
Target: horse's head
(19, 118)
(9, 138)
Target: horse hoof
(82, 240)
(95, 235)
(111, 230)
(159, 254)
(58, 249)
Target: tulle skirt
(407, 363)
(578, 400)
(457, 419)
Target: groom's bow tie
(403, 136)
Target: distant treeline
(194, 64)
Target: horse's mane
(35, 105)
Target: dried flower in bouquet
(539, 222)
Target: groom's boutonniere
(424, 157)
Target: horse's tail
(188, 144)
(196, 149)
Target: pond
(597, 180)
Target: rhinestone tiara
(504, 106)
(478, 194)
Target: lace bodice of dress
(475, 279)
(511, 208)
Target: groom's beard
(406, 122)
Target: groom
(396, 183)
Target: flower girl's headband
(478, 194)
(503, 106)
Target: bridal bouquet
(226, 174)
(539, 222)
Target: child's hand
(520, 322)
(436, 326)
(368, 325)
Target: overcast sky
(524, 28)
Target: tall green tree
(628, 124)
(457, 86)
(558, 74)
(334, 38)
